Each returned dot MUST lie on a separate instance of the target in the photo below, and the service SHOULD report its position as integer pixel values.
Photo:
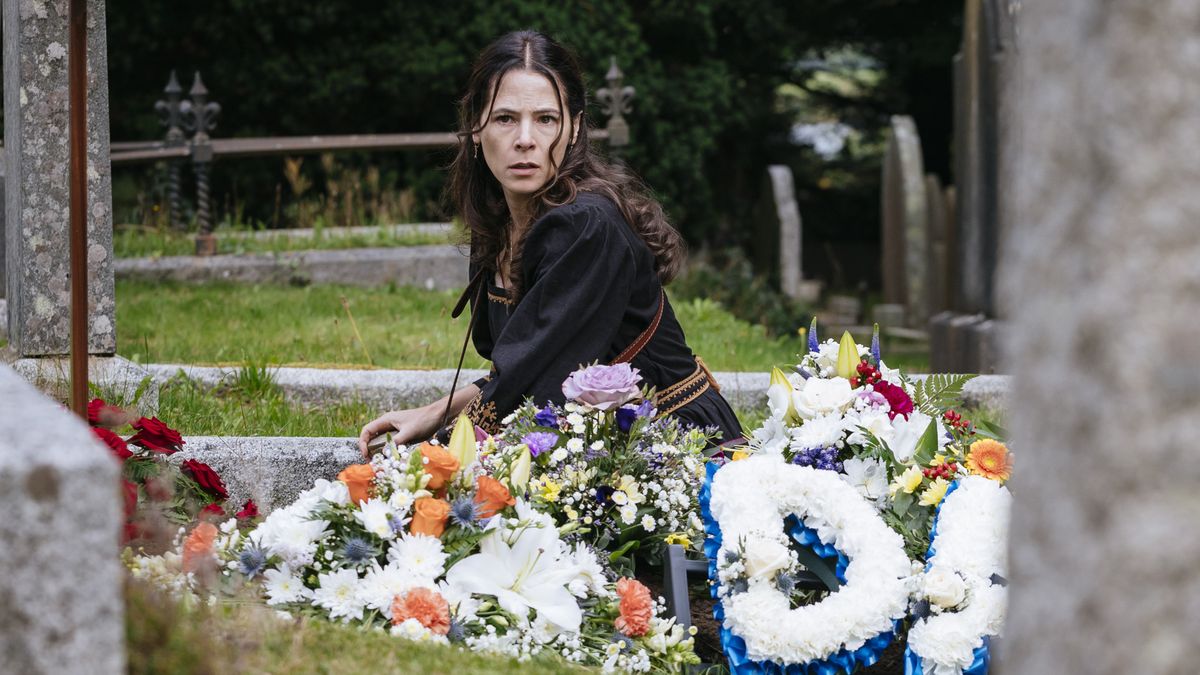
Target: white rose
(763, 557)
(821, 397)
(944, 588)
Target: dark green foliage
(729, 279)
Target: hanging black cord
(474, 287)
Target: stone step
(438, 267)
(393, 389)
(398, 230)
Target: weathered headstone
(60, 590)
(791, 240)
(1101, 246)
(905, 223)
(3, 277)
(968, 164)
(936, 213)
(37, 198)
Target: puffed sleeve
(578, 269)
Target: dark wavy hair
(477, 196)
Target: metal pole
(77, 78)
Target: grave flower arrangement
(154, 488)
(844, 417)
(432, 544)
(605, 469)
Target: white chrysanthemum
(401, 500)
(339, 593)
(283, 586)
(628, 514)
(590, 571)
(872, 419)
(419, 555)
(648, 523)
(411, 629)
(291, 537)
(375, 516)
(381, 585)
(771, 438)
(869, 476)
(823, 431)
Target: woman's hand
(415, 424)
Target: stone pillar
(37, 198)
(1099, 282)
(61, 607)
(3, 237)
(790, 235)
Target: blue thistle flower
(732, 556)
(814, 345)
(464, 512)
(457, 632)
(358, 551)
(739, 586)
(396, 523)
(252, 561)
(786, 583)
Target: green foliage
(731, 280)
(938, 392)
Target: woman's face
(515, 140)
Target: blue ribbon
(981, 656)
(844, 661)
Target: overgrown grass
(399, 328)
(164, 635)
(135, 241)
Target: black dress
(590, 291)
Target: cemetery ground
(136, 241)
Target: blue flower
(464, 512)
(814, 345)
(626, 415)
(604, 494)
(546, 418)
(818, 458)
(358, 551)
(875, 356)
(252, 561)
(540, 441)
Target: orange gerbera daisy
(990, 459)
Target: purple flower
(818, 458)
(626, 414)
(603, 387)
(539, 441)
(546, 418)
(646, 409)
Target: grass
(135, 241)
(163, 635)
(396, 328)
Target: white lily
(523, 573)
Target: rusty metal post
(170, 116)
(615, 103)
(200, 117)
(77, 97)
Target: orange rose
(359, 479)
(636, 607)
(439, 464)
(430, 516)
(491, 496)
(198, 547)
(426, 606)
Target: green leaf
(937, 393)
(902, 502)
(927, 447)
(631, 545)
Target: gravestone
(905, 223)
(936, 213)
(1100, 280)
(3, 278)
(969, 164)
(60, 590)
(791, 240)
(37, 194)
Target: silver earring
(476, 151)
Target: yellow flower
(739, 455)
(678, 538)
(572, 514)
(990, 459)
(934, 493)
(908, 481)
(550, 491)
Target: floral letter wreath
(745, 504)
(966, 567)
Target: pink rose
(603, 387)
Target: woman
(568, 253)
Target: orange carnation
(491, 496)
(426, 606)
(359, 479)
(439, 464)
(990, 459)
(636, 607)
(429, 516)
(198, 547)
